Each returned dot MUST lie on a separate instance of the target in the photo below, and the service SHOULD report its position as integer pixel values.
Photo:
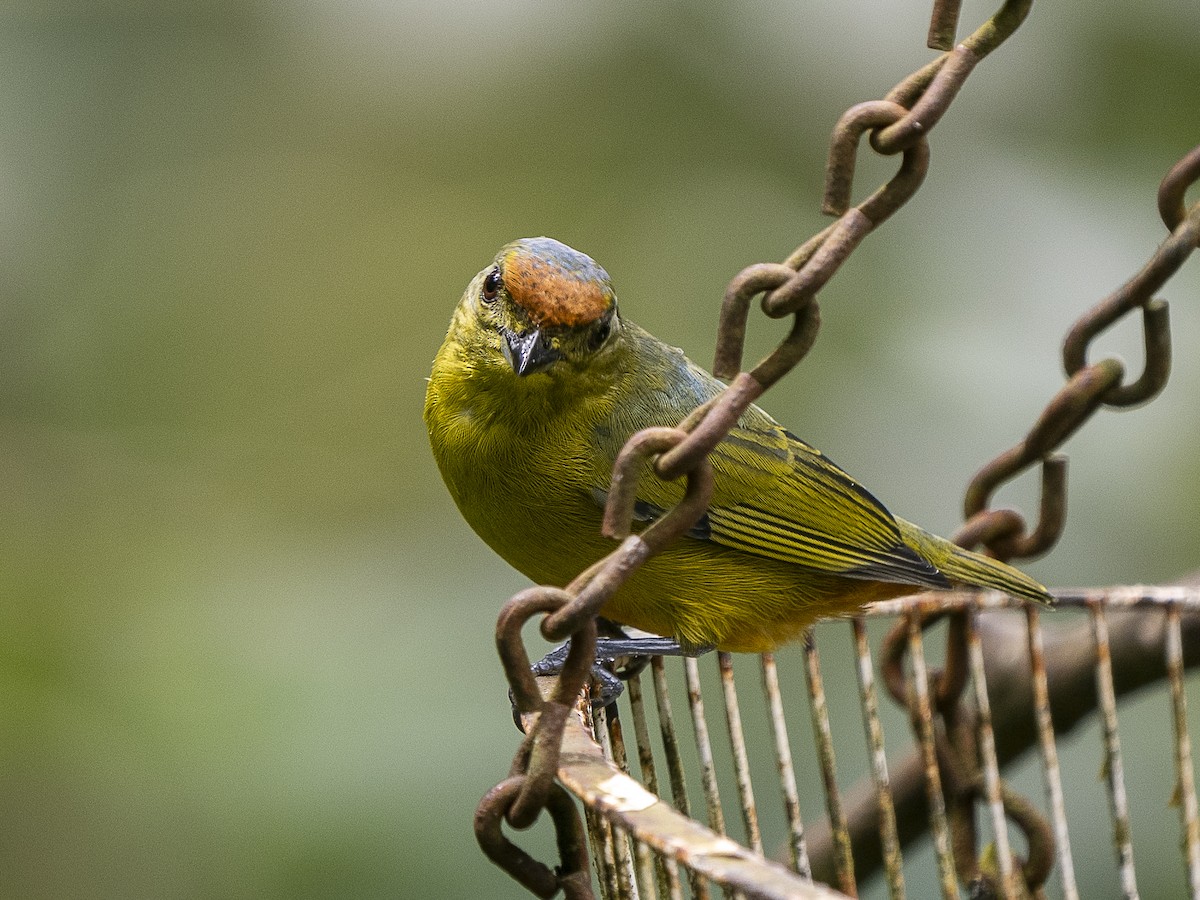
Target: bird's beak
(529, 352)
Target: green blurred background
(247, 640)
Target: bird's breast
(522, 488)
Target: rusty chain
(1005, 535)
(897, 124)
(571, 611)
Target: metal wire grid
(647, 847)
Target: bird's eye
(600, 335)
(491, 285)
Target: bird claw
(607, 685)
(617, 659)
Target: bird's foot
(617, 659)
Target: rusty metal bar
(741, 760)
(619, 799)
(642, 857)
(626, 874)
(843, 856)
(1114, 768)
(1008, 885)
(892, 859)
(641, 732)
(708, 768)
(647, 877)
(1185, 785)
(679, 795)
(1187, 598)
(666, 725)
(607, 730)
(938, 825)
(611, 737)
(797, 846)
(1050, 768)
(600, 838)
(599, 829)
(602, 841)
(668, 880)
(674, 885)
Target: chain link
(1184, 226)
(571, 876)
(1091, 386)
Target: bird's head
(540, 306)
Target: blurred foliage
(247, 640)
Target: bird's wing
(777, 497)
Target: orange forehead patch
(554, 284)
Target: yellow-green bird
(538, 385)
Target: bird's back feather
(775, 496)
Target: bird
(539, 383)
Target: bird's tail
(966, 567)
